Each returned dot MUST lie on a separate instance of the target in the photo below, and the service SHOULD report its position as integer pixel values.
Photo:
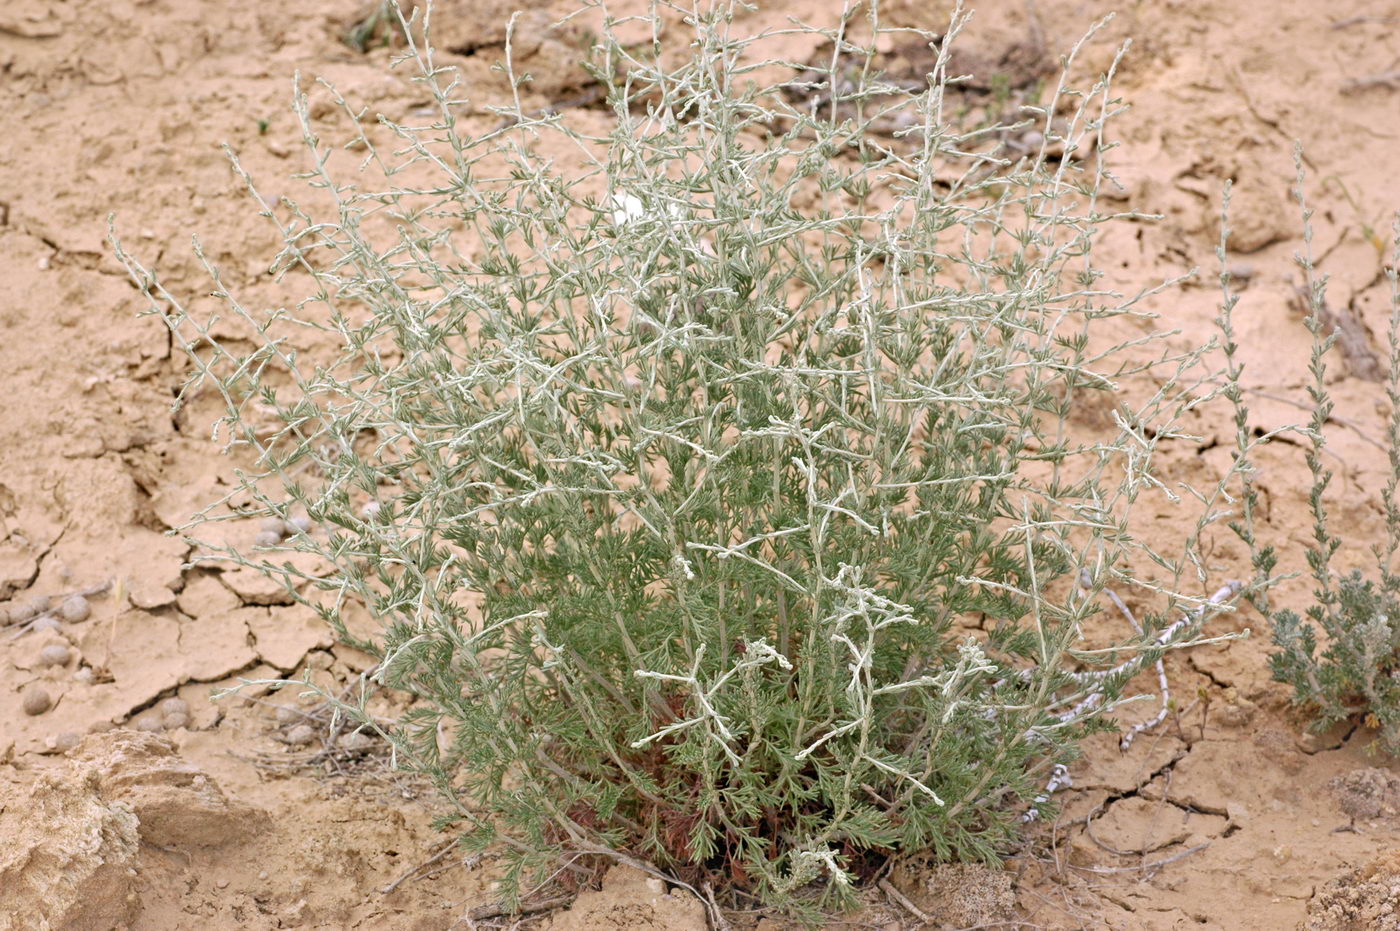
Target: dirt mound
(1363, 899)
(957, 894)
(1367, 793)
(176, 803)
(631, 899)
(72, 837)
(66, 860)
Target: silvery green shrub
(717, 487)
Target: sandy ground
(132, 800)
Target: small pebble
(370, 510)
(65, 741)
(100, 727)
(356, 740)
(263, 875)
(174, 722)
(301, 735)
(273, 525)
(76, 608)
(286, 714)
(267, 539)
(55, 654)
(222, 884)
(656, 886)
(46, 624)
(300, 524)
(83, 675)
(173, 706)
(36, 701)
(39, 604)
(149, 722)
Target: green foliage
(1358, 674)
(1352, 671)
(375, 29)
(720, 501)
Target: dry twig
(442, 852)
(1359, 20)
(1383, 79)
(1146, 866)
(498, 909)
(899, 898)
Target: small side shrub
(1353, 671)
(722, 502)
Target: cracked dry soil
(120, 808)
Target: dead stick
(888, 889)
(1359, 20)
(1384, 79)
(1146, 866)
(498, 909)
(446, 849)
